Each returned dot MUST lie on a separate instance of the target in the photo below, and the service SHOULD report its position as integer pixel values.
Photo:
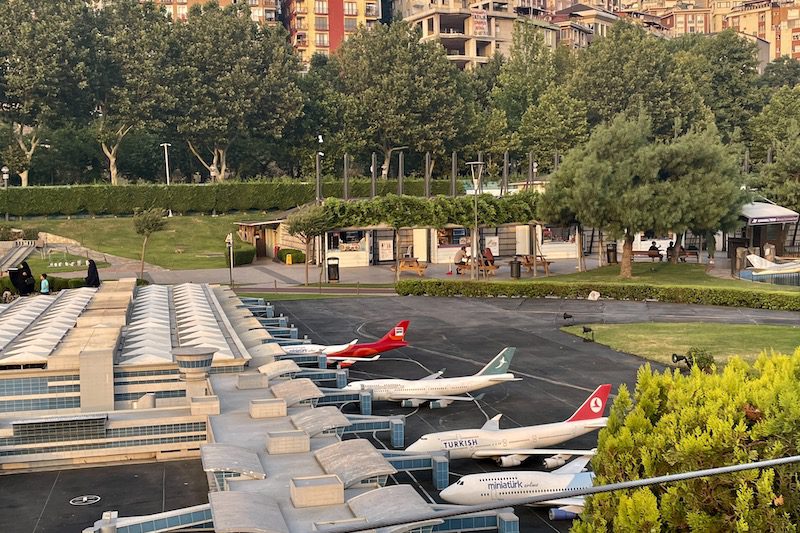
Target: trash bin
(516, 268)
(333, 269)
(611, 253)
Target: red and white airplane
(347, 354)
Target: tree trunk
(626, 266)
(677, 253)
(308, 256)
(219, 161)
(111, 155)
(387, 160)
(579, 247)
(600, 247)
(23, 176)
(27, 150)
(144, 247)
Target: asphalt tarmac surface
(457, 334)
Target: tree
(526, 75)
(146, 223)
(639, 73)
(782, 72)
(780, 181)
(553, 126)
(308, 224)
(677, 422)
(48, 56)
(398, 91)
(625, 182)
(484, 80)
(493, 137)
(233, 79)
(132, 78)
(776, 122)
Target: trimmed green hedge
(297, 255)
(243, 253)
(784, 301)
(56, 283)
(184, 198)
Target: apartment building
(688, 19)
(778, 23)
(261, 11)
(320, 26)
(597, 18)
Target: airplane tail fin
(594, 405)
(397, 333)
(498, 365)
(759, 262)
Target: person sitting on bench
(670, 250)
(460, 259)
(488, 257)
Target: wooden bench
(411, 264)
(488, 269)
(652, 254)
(541, 262)
(690, 253)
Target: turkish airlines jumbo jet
(476, 489)
(440, 392)
(352, 352)
(510, 447)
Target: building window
(350, 24)
(182, 12)
(252, 2)
(350, 8)
(321, 7)
(372, 10)
(321, 23)
(322, 39)
(347, 241)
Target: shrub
(243, 253)
(700, 357)
(784, 301)
(6, 233)
(74, 283)
(297, 255)
(30, 234)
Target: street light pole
(476, 183)
(166, 165)
(5, 170)
(229, 243)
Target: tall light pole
(166, 165)
(476, 167)
(5, 170)
(318, 166)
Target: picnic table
(541, 262)
(488, 269)
(411, 264)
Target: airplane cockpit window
(460, 482)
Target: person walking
(44, 285)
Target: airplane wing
(435, 375)
(493, 424)
(333, 350)
(351, 359)
(574, 467)
(479, 454)
(434, 398)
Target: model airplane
(762, 266)
(440, 392)
(349, 353)
(510, 447)
(476, 489)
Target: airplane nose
(417, 446)
(449, 494)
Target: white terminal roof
(148, 339)
(392, 502)
(218, 457)
(245, 512)
(353, 461)
(279, 368)
(316, 421)
(294, 391)
(31, 331)
(197, 322)
(761, 213)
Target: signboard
(385, 250)
(493, 243)
(480, 24)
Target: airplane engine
(558, 514)
(556, 460)
(438, 404)
(411, 403)
(507, 461)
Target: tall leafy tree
(553, 126)
(526, 75)
(398, 91)
(308, 224)
(48, 58)
(233, 79)
(783, 72)
(780, 181)
(484, 80)
(132, 85)
(776, 122)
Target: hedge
(185, 198)
(784, 301)
(243, 253)
(56, 283)
(297, 255)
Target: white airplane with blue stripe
(438, 391)
(476, 489)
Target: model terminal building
(120, 373)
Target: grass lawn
(39, 265)
(658, 342)
(188, 242)
(683, 274)
(286, 296)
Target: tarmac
(457, 334)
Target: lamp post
(166, 165)
(476, 168)
(5, 170)
(229, 244)
(318, 165)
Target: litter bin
(611, 253)
(516, 268)
(333, 269)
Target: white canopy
(762, 213)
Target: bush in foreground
(785, 301)
(677, 423)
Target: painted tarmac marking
(49, 495)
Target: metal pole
(166, 167)
(427, 174)
(346, 178)
(5, 171)
(530, 170)
(319, 177)
(453, 173)
(400, 171)
(229, 242)
(504, 185)
(374, 169)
